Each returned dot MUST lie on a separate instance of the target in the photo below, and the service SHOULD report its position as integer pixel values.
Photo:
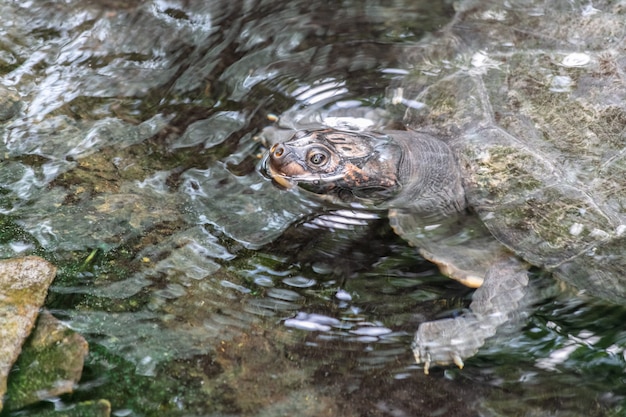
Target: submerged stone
(51, 363)
(24, 285)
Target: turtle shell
(531, 96)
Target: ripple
(264, 281)
(240, 288)
(321, 91)
(373, 331)
(300, 282)
(211, 131)
(312, 322)
(306, 325)
(576, 59)
(247, 209)
(283, 294)
(269, 306)
(343, 295)
(561, 83)
(172, 291)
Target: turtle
(513, 155)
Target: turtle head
(344, 165)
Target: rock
(24, 285)
(51, 363)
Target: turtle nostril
(277, 151)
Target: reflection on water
(211, 293)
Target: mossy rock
(24, 285)
(50, 365)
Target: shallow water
(202, 288)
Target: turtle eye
(317, 158)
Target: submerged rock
(51, 363)
(24, 285)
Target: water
(201, 288)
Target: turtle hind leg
(497, 301)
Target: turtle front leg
(496, 302)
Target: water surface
(204, 290)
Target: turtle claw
(447, 341)
(418, 359)
(458, 361)
(427, 361)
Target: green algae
(50, 364)
(99, 408)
